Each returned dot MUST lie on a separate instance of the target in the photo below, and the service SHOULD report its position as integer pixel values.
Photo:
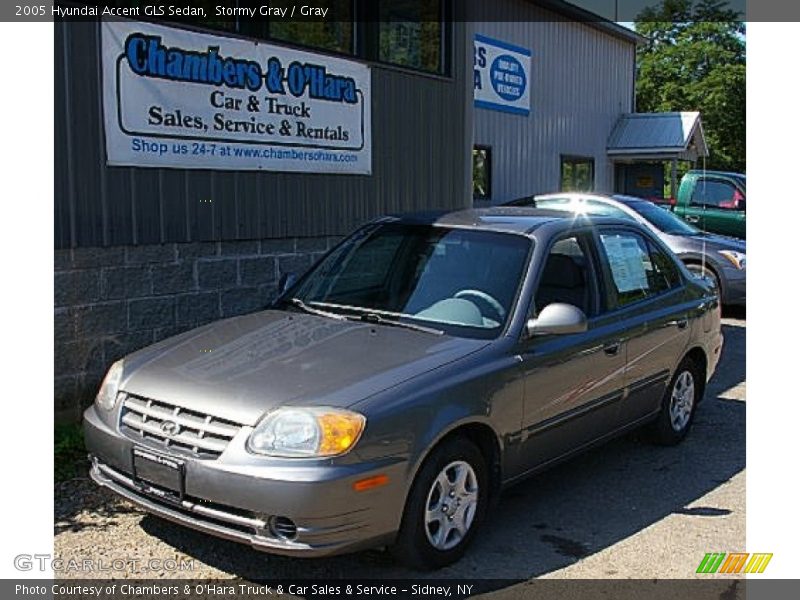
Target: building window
(406, 33)
(481, 173)
(335, 34)
(411, 34)
(577, 174)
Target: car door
(572, 383)
(647, 298)
(715, 206)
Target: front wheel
(679, 405)
(445, 507)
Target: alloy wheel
(682, 401)
(451, 505)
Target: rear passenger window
(638, 268)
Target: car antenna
(703, 257)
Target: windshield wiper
(363, 314)
(371, 317)
(316, 311)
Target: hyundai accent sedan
(418, 369)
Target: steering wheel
(488, 299)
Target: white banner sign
(176, 98)
(502, 76)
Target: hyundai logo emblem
(169, 428)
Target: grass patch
(70, 452)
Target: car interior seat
(563, 280)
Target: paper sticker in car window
(627, 261)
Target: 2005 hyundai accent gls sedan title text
(419, 368)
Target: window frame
(589, 248)
(705, 180)
(612, 293)
(354, 37)
(461, 331)
(653, 247)
(575, 159)
(366, 38)
(445, 43)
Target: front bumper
(236, 495)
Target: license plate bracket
(166, 473)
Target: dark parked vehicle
(722, 259)
(418, 369)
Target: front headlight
(306, 432)
(107, 396)
(738, 259)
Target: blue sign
(508, 77)
(501, 76)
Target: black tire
(413, 545)
(668, 429)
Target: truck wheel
(679, 405)
(445, 507)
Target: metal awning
(658, 136)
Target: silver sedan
(422, 366)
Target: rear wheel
(445, 507)
(679, 404)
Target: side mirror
(558, 319)
(286, 281)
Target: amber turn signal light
(370, 483)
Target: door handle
(612, 348)
(692, 219)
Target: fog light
(283, 528)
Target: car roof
(726, 173)
(610, 199)
(505, 219)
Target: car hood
(238, 368)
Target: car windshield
(461, 281)
(663, 219)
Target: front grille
(189, 431)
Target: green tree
(694, 59)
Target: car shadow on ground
(83, 505)
(553, 519)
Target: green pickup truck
(713, 201)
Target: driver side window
(711, 193)
(568, 276)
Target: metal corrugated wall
(421, 136)
(581, 82)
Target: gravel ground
(627, 510)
